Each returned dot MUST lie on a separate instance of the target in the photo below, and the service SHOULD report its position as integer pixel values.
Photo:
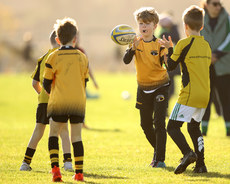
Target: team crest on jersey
(160, 98)
(154, 52)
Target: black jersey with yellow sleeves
(37, 75)
(151, 73)
(67, 68)
(194, 55)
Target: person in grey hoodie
(217, 32)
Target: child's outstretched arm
(170, 64)
(131, 51)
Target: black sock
(29, 155)
(197, 139)
(78, 151)
(54, 150)
(67, 157)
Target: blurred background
(25, 27)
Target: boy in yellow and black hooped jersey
(153, 82)
(194, 55)
(65, 78)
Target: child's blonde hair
(194, 17)
(147, 14)
(66, 29)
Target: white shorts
(186, 114)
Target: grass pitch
(116, 150)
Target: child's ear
(186, 26)
(155, 26)
(201, 28)
(75, 40)
(57, 40)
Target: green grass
(116, 150)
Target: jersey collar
(154, 39)
(66, 47)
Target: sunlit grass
(116, 150)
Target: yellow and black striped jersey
(67, 68)
(149, 63)
(194, 55)
(37, 75)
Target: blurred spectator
(118, 54)
(217, 32)
(28, 48)
(88, 95)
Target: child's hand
(136, 42)
(214, 58)
(166, 43)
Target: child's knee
(193, 126)
(146, 125)
(76, 138)
(173, 126)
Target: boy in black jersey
(153, 83)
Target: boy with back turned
(194, 55)
(65, 78)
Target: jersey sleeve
(174, 56)
(49, 70)
(36, 73)
(177, 51)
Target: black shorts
(72, 119)
(146, 100)
(41, 114)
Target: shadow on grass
(209, 175)
(101, 176)
(170, 169)
(88, 175)
(203, 175)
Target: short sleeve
(48, 72)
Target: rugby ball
(123, 34)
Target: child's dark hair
(66, 30)
(194, 17)
(147, 14)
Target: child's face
(146, 28)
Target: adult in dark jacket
(217, 32)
